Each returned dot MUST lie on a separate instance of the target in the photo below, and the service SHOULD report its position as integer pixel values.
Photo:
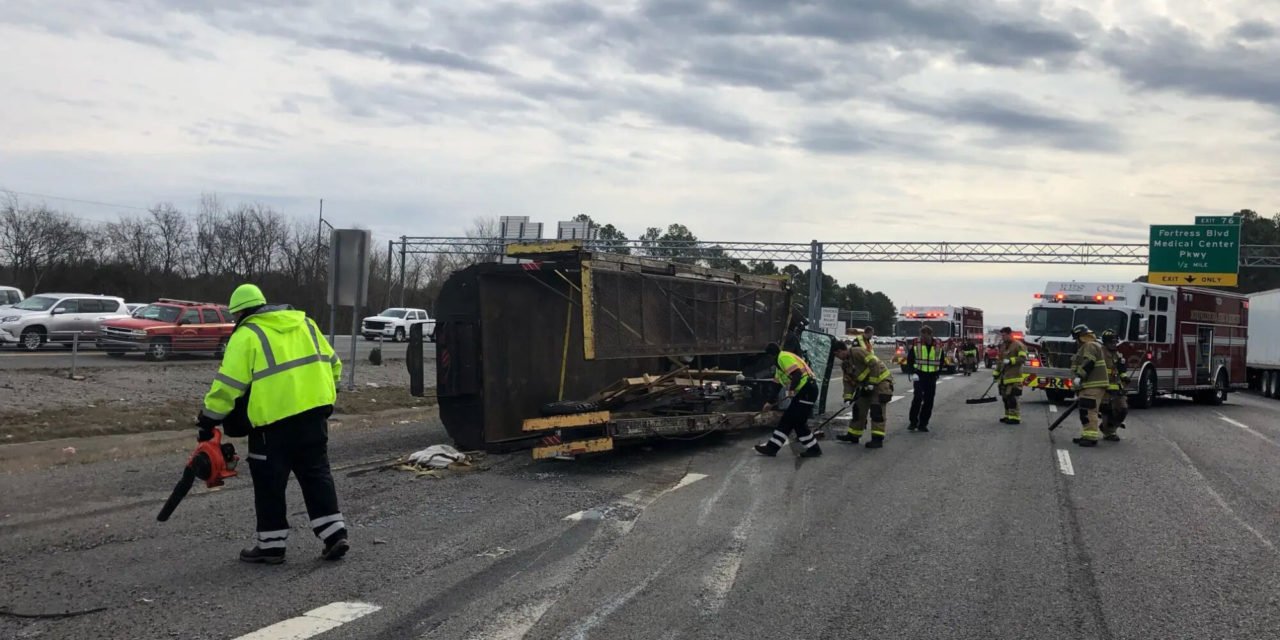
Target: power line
(65, 199)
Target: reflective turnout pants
(1115, 408)
(1010, 392)
(299, 447)
(796, 418)
(873, 404)
(1090, 404)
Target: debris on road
(439, 460)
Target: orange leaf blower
(211, 462)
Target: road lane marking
(897, 398)
(638, 500)
(1064, 463)
(1219, 499)
(1053, 408)
(1237, 423)
(314, 622)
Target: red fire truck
(1175, 340)
(951, 326)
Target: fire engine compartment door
(1204, 354)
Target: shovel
(985, 397)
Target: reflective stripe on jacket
(285, 358)
(1090, 351)
(1012, 356)
(861, 368)
(928, 358)
(789, 364)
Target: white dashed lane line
(1064, 463)
(314, 622)
(639, 500)
(1053, 408)
(1247, 428)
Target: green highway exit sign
(1236, 220)
(1200, 254)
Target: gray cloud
(1254, 30)
(1171, 58)
(1018, 122)
(411, 54)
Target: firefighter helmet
(1081, 330)
(1109, 336)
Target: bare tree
(35, 239)
(172, 232)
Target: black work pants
(298, 445)
(926, 387)
(796, 417)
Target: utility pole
(815, 281)
(403, 244)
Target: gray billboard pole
(349, 283)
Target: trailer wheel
(1269, 383)
(1146, 397)
(568, 408)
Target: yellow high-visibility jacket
(285, 358)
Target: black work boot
(812, 452)
(336, 547)
(912, 427)
(1112, 437)
(258, 555)
(923, 428)
(767, 449)
(1085, 442)
(876, 442)
(849, 438)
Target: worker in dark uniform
(798, 381)
(279, 378)
(924, 361)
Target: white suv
(57, 317)
(394, 323)
(10, 296)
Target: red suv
(167, 326)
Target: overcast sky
(1024, 120)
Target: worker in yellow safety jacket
(924, 361)
(1092, 380)
(1013, 354)
(277, 385)
(801, 388)
(1116, 406)
(868, 386)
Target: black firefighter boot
(771, 446)
(877, 442)
(1085, 442)
(849, 437)
(258, 555)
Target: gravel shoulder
(37, 405)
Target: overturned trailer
(536, 352)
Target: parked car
(394, 323)
(167, 326)
(10, 296)
(57, 317)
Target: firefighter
(797, 379)
(278, 379)
(1116, 406)
(969, 355)
(868, 386)
(1013, 354)
(1092, 380)
(924, 360)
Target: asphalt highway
(975, 530)
(60, 357)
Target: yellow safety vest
(928, 358)
(789, 363)
(286, 360)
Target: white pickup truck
(394, 324)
